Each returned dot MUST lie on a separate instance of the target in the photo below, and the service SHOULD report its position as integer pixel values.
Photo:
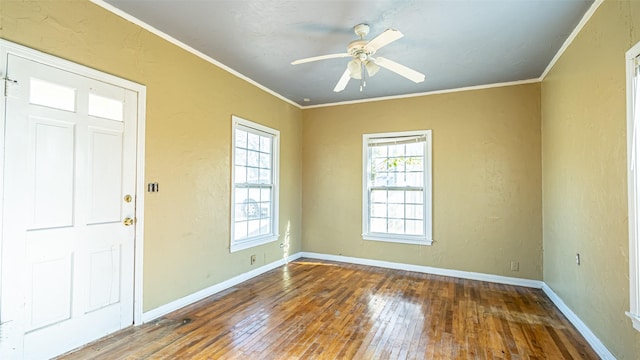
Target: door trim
(6, 48)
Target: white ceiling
(456, 43)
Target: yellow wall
(486, 182)
(584, 176)
(189, 108)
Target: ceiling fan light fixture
(371, 67)
(355, 69)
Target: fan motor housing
(356, 48)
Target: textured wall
(584, 176)
(189, 108)
(486, 183)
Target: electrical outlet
(253, 259)
(515, 266)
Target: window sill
(249, 243)
(635, 318)
(397, 239)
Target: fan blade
(342, 83)
(384, 39)
(321, 57)
(400, 69)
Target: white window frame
(427, 238)
(252, 127)
(633, 171)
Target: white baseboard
(591, 338)
(537, 284)
(199, 295)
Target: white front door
(69, 190)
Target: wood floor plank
(311, 309)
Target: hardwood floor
(313, 309)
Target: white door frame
(7, 48)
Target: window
(106, 108)
(397, 187)
(254, 196)
(633, 171)
(52, 95)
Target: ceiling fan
(361, 51)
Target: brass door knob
(128, 221)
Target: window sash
(258, 210)
(405, 218)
